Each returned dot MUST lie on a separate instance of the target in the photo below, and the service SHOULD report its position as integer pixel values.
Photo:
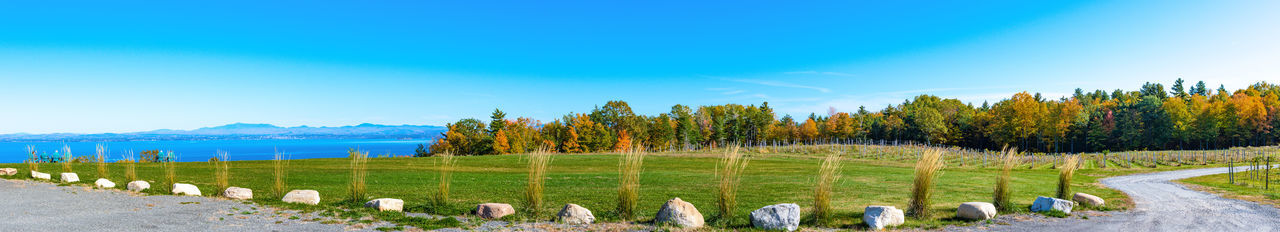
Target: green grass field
(1244, 188)
(591, 180)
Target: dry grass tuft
(359, 169)
(1069, 165)
(1008, 160)
(131, 168)
(729, 173)
(928, 167)
(538, 162)
(828, 174)
(629, 168)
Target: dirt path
(1162, 205)
(38, 206)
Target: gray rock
(8, 171)
(976, 211)
(238, 193)
(137, 186)
(777, 217)
(41, 175)
(1048, 203)
(386, 204)
(70, 177)
(680, 213)
(878, 216)
(185, 189)
(1089, 200)
(104, 183)
(310, 197)
(575, 214)
(494, 210)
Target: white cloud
(781, 84)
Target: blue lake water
(202, 150)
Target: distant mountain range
(246, 131)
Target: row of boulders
(675, 212)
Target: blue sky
(93, 66)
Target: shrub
(1068, 169)
(927, 169)
(828, 174)
(1002, 200)
(279, 165)
(538, 162)
(729, 173)
(359, 170)
(446, 165)
(629, 167)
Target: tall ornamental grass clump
(928, 167)
(1002, 200)
(101, 157)
(445, 164)
(131, 167)
(170, 174)
(538, 162)
(222, 172)
(629, 167)
(828, 174)
(66, 158)
(359, 169)
(729, 173)
(33, 163)
(1068, 169)
(279, 168)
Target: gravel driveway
(39, 206)
(1165, 206)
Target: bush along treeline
(1152, 118)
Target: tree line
(1151, 118)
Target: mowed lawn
(591, 180)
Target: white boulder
(575, 214)
(238, 193)
(137, 186)
(976, 211)
(41, 175)
(1048, 203)
(310, 197)
(878, 216)
(680, 213)
(386, 204)
(1089, 200)
(777, 217)
(494, 210)
(185, 189)
(104, 183)
(70, 177)
(8, 171)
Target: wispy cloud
(812, 72)
(781, 84)
(732, 92)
